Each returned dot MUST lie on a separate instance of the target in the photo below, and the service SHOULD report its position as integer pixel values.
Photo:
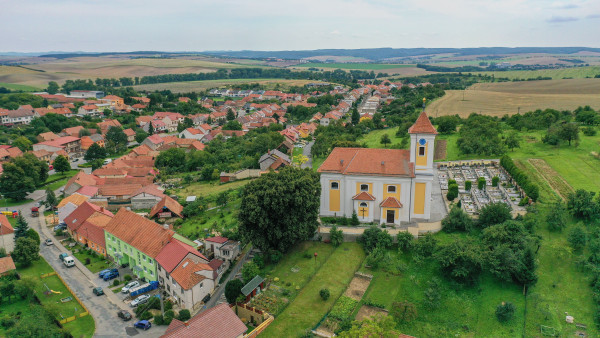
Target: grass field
(308, 308)
(178, 87)
(25, 88)
(499, 99)
(357, 66)
(203, 189)
(576, 73)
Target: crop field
(498, 99)
(181, 87)
(558, 184)
(575, 73)
(400, 69)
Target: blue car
(105, 271)
(110, 275)
(143, 324)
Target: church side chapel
(388, 186)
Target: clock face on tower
(422, 141)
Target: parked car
(75, 160)
(110, 275)
(124, 314)
(143, 324)
(130, 286)
(51, 167)
(48, 242)
(60, 226)
(105, 271)
(62, 256)
(98, 291)
(69, 261)
(140, 300)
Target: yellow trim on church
(420, 198)
(387, 194)
(363, 212)
(370, 191)
(334, 197)
(422, 160)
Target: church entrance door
(390, 216)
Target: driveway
(215, 299)
(102, 308)
(307, 152)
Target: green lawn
(9, 203)
(11, 309)
(15, 86)
(317, 161)
(195, 227)
(203, 189)
(308, 308)
(373, 139)
(576, 73)
(97, 263)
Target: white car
(140, 300)
(130, 286)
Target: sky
(204, 25)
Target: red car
(50, 167)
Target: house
(71, 145)
(87, 141)
(274, 159)
(167, 208)
(191, 133)
(253, 288)
(107, 124)
(130, 135)
(219, 321)
(113, 100)
(154, 142)
(41, 155)
(185, 274)
(22, 115)
(89, 110)
(87, 94)
(68, 204)
(222, 248)
(7, 234)
(383, 185)
(72, 131)
(84, 212)
(7, 152)
(7, 266)
(91, 234)
(81, 179)
(137, 241)
(146, 197)
(48, 136)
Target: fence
(69, 319)
(260, 328)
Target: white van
(107, 161)
(69, 261)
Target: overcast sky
(200, 25)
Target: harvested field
(440, 150)
(182, 87)
(367, 311)
(557, 182)
(357, 287)
(498, 99)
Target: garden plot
(367, 311)
(358, 286)
(271, 300)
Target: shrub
(307, 255)
(168, 305)
(324, 293)
(557, 217)
(461, 261)
(425, 246)
(354, 220)
(116, 282)
(87, 261)
(405, 240)
(505, 312)
(494, 213)
(127, 278)
(495, 181)
(522, 179)
(589, 131)
(433, 296)
(577, 237)
(404, 311)
(145, 315)
(457, 220)
(481, 183)
(468, 185)
(375, 258)
(373, 237)
(169, 315)
(7, 322)
(343, 221)
(184, 315)
(276, 256)
(452, 192)
(336, 236)
(524, 201)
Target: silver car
(140, 300)
(130, 286)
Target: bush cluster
(522, 179)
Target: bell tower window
(421, 151)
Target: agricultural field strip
(556, 182)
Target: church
(388, 186)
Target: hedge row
(530, 188)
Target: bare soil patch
(440, 150)
(357, 287)
(367, 311)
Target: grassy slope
(203, 189)
(579, 72)
(307, 308)
(13, 86)
(360, 66)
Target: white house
(7, 234)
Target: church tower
(422, 150)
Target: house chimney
(382, 162)
(101, 209)
(166, 226)
(341, 162)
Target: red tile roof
(422, 126)
(185, 273)
(7, 264)
(150, 189)
(169, 203)
(139, 232)
(219, 321)
(174, 252)
(391, 202)
(83, 213)
(93, 233)
(364, 196)
(365, 161)
(5, 227)
(217, 239)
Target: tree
(581, 204)
(230, 115)
(495, 181)
(374, 237)
(461, 261)
(385, 140)
(23, 143)
(280, 209)
(95, 152)
(405, 240)
(336, 236)
(505, 311)
(51, 200)
(98, 163)
(14, 183)
(452, 192)
(249, 271)
(376, 326)
(52, 87)
(233, 289)
(140, 136)
(481, 183)
(354, 220)
(84, 132)
(569, 132)
(494, 213)
(375, 257)
(425, 246)
(468, 185)
(447, 124)
(232, 125)
(21, 227)
(116, 140)
(577, 237)
(512, 141)
(150, 129)
(557, 217)
(222, 198)
(404, 311)
(61, 164)
(355, 117)
(184, 315)
(26, 251)
(457, 220)
(324, 293)
(7, 289)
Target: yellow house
(382, 185)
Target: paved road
(307, 152)
(214, 300)
(104, 308)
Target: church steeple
(422, 143)
(422, 125)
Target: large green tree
(233, 289)
(116, 140)
(33, 168)
(26, 251)
(61, 164)
(51, 200)
(52, 87)
(95, 152)
(280, 209)
(14, 183)
(22, 143)
(461, 261)
(21, 227)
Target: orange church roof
(422, 126)
(365, 161)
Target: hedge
(530, 188)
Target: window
(391, 189)
(421, 151)
(201, 284)
(335, 185)
(182, 291)
(159, 268)
(225, 252)
(364, 187)
(363, 204)
(151, 273)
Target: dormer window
(364, 187)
